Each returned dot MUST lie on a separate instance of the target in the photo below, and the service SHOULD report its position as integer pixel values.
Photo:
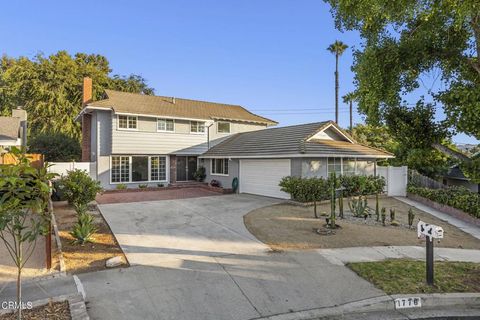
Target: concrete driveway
(194, 259)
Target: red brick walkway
(168, 194)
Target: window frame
(355, 172)
(130, 181)
(198, 123)
(128, 122)
(224, 122)
(224, 166)
(166, 120)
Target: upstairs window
(223, 127)
(197, 127)
(167, 125)
(127, 122)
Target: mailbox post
(429, 232)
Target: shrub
(160, 185)
(56, 147)
(143, 186)
(457, 197)
(83, 229)
(310, 189)
(79, 188)
(121, 186)
(200, 174)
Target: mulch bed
(51, 311)
(90, 256)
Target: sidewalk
(367, 254)
(33, 290)
(464, 226)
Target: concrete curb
(63, 268)
(382, 303)
(78, 309)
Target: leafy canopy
(404, 41)
(50, 88)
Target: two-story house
(139, 139)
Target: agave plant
(84, 229)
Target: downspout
(98, 146)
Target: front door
(186, 167)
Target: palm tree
(349, 98)
(337, 48)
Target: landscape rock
(114, 262)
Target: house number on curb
(429, 232)
(410, 302)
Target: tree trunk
(19, 282)
(336, 88)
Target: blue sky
(267, 55)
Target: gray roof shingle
(291, 140)
(123, 102)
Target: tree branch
(475, 23)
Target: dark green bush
(310, 189)
(79, 188)
(457, 197)
(56, 147)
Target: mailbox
(429, 230)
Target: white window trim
(167, 166)
(219, 174)
(201, 133)
(128, 116)
(167, 131)
(229, 127)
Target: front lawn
(287, 226)
(408, 276)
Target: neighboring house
(455, 177)
(139, 139)
(260, 159)
(13, 130)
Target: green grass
(408, 276)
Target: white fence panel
(396, 179)
(62, 168)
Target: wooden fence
(419, 180)
(35, 158)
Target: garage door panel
(263, 176)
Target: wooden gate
(35, 158)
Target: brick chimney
(86, 120)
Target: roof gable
(330, 131)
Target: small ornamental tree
(24, 216)
(80, 189)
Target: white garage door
(262, 177)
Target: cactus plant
(332, 201)
(392, 214)
(358, 206)
(340, 204)
(411, 216)
(384, 215)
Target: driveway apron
(194, 259)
